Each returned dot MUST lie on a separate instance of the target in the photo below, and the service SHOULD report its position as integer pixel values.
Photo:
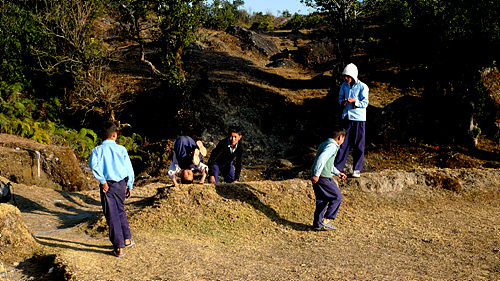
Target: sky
(273, 6)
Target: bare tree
(74, 53)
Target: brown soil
(391, 225)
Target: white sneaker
(356, 174)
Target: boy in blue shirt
(328, 196)
(353, 97)
(111, 166)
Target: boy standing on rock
(111, 166)
(328, 196)
(228, 151)
(353, 96)
(187, 155)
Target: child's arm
(239, 162)
(174, 181)
(97, 169)
(362, 101)
(342, 95)
(327, 152)
(130, 169)
(203, 176)
(214, 155)
(338, 173)
(173, 169)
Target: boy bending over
(187, 155)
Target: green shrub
(309, 21)
(220, 14)
(263, 22)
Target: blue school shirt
(110, 162)
(355, 111)
(324, 161)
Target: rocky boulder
(253, 41)
(29, 162)
(316, 53)
(283, 63)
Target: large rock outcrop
(253, 40)
(29, 162)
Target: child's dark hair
(107, 129)
(235, 129)
(338, 131)
(184, 181)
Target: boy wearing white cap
(353, 97)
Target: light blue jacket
(359, 92)
(323, 162)
(110, 162)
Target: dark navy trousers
(227, 171)
(113, 203)
(328, 199)
(355, 137)
(184, 148)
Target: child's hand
(342, 176)
(314, 179)
(129, 193)
(211, 179)
(105, 187)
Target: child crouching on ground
(328, 196)
(227, 153)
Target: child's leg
(216, 171)
(322, 200)
(335, 198)
(319, 211)
(343, 152)
(228, 172)
(112, 202)
(358, 151)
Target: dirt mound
(16, 243)
(228, 208)
(29, 162)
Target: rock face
(456, 180)
(29, 162)
(15, 241)
(253, 41)
(284, 63)
(316, 53)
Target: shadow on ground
(246, 193)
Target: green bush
(263, 22)
(221, 13)
(310, 21)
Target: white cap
(352, 71)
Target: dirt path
(251, 232)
